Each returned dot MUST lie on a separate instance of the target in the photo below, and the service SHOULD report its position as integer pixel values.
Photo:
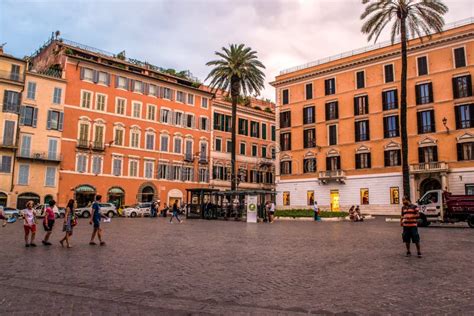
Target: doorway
(429, 184)
(334, 200)
(84, 195)
(147, 194)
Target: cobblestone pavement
(214, 267)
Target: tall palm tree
(408, 18)
(237, 71)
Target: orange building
(339, 132)
(255, 150)
(131, 132)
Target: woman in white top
(29, 224)
(316, 211)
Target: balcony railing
(203, 160)
(83, 143)
(13, 76)
(427, 167)
(188, 157)
(40, 155)
(337, 175)
(98, 146)
(7, 143)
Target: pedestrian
(316, 211)
(165, 210)
(3, 217)
(352, 215)
(95, 219)
(271, 213)
(266, 216)
(175, 212)
(409, 221)
(153, 209)
(29, 224)
(358, 214)
(48, 222)
(70, 221)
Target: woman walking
(69, 223)
(175, 212)
(29, 224)
(48, 222)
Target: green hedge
(308, 213)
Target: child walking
(29, 224)
(48, 222)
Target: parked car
(41, 209)
(107, 209)
(10, 212)
(139, 209)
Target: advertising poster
(252, 208)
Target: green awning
(116, 191)
(85, 189)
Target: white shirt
(315, 207)
(272, 207)
(29, 216)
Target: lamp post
(445, 121)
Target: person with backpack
(95, 219)
(70, 220)
(48, 221)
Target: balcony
(98, 146)
(429, 167)
(328, 175)
(12, 76)
(203, 160)
(188, 157)
(40, 156)
(82, 143)
(7, 143)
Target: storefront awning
(85, 189)
(116, 191)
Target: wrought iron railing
(332, 174)
(39, 155)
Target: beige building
(41, 121)
(11, 86)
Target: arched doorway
(116, 195)
(48, 198)
(147, 194)
(3, 199)
(429, 184)
(84, 194)
(25, 197)
(175, 195)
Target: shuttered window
(309, 138)
(285, 141)
(459, 57)
(363, 161)
(464, 116)
(362, 132)
(332, 135)
(309, 115)
(361, 105)
(427, 154)
(426, 122)
(392, 158)
(424, 93)
(391, 126)
(465, 151)
(462, 87)
(285, 119)
(332, 111)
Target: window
(137, 86)
(180, 96)
(98, 136)
(243, 150)
(363, 161)
(273, 133)
(203, 175)
(178, 118)
(464, 116)
(55, 120)
(53, 149)
(229, 146)
(165, 116)
(87, 74)
(462, 87)
(163, 170)
(190, 98)
(426, 123)
(118, 137)
(285, 96)
(50, 179)
(149, 166)
(392, 158)
(31, 90)
(15, 73)
(203, 124)
(120, 106)
(219, 121)
(332, 112)
(362, 132)
(152, 90)
(469, 189)
(86, 98)
(218, 144)
(177, 145)
(427, 154)
(135, 139)
(390, 100)
(103, 78)
(167, 93)
(84, 132)
(117, 166)
(188, 174)
(243, 127)
(459, 57)
(285, 141)
(100, 102)
(176, 173)
(285, 167)
(309, 116)
(203, 151)
(330, 86)
(5, 164)
(285, 119)
(264, 131)
(273, 153)
(96, 164)
(121, 82)
(422, 63)
(264, 151)
(151, 112)
(136, 109)
(28, 116)
(465, 151)
(390, 126)
(150, 141)
(309, 138)
(360, 79)
(286, 198)
(25, 146)
(23, 174)
(204, 102)
(254, 150)
(11, 101)
(133, 168)
(332, 135)
(188, 149)
(424, 93)
(309, 91)
(388, 72)
(8, 133)
(81, 163)
(309, 165)
(57, 95)
(190, 121)
(361, 105)
(164, 142)
(254, 129)
(333, 163)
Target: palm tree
(408, 17)
(237, 71)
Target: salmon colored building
(132, 133)
(339, 132)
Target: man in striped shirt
(409, 221)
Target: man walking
(409, 221)
(95, 219)
(175, 212)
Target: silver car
(107, 209)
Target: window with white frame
(133, 168)
(204, 124)
(120, 105)
(164, 142)
(97, 164)
(119, 136)
(190, 98)
(53, 148)
(31, 90)
(180, 95)
(149, 166)
(176, 172)
(150, 141)
(100, 102)
(25, 146)
(117, 166)
(204, 102)
(178, 118)
(136, 109)
(23, 174)
(86, 99)
(103, 78)
(177, 145)
(167, 93)
(88, 74)
(151, 112)
(190, 121)
(203, 175)
(50, 178)
(57, 95)
(163, 169)
(84, 132)
(187, 173)
(135, 138)
(137, 86)
(122, 82)
(81, 163)
(188, 151)
(165, 116)
(152, 90)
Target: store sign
(252, 208)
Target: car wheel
(134, 214)
(86, 214)
(470, 221)
(110, 214)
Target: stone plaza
(150, 266)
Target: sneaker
(92, 243)
(33, 245)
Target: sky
(184, 34)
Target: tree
(237, 71)
(409, 18)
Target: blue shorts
(96, 223)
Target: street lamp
(445, 121)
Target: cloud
(183, 34)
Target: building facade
(255, 150)
(132, 133)
(338, 124)
(12, 82)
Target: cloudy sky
(183, 34)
